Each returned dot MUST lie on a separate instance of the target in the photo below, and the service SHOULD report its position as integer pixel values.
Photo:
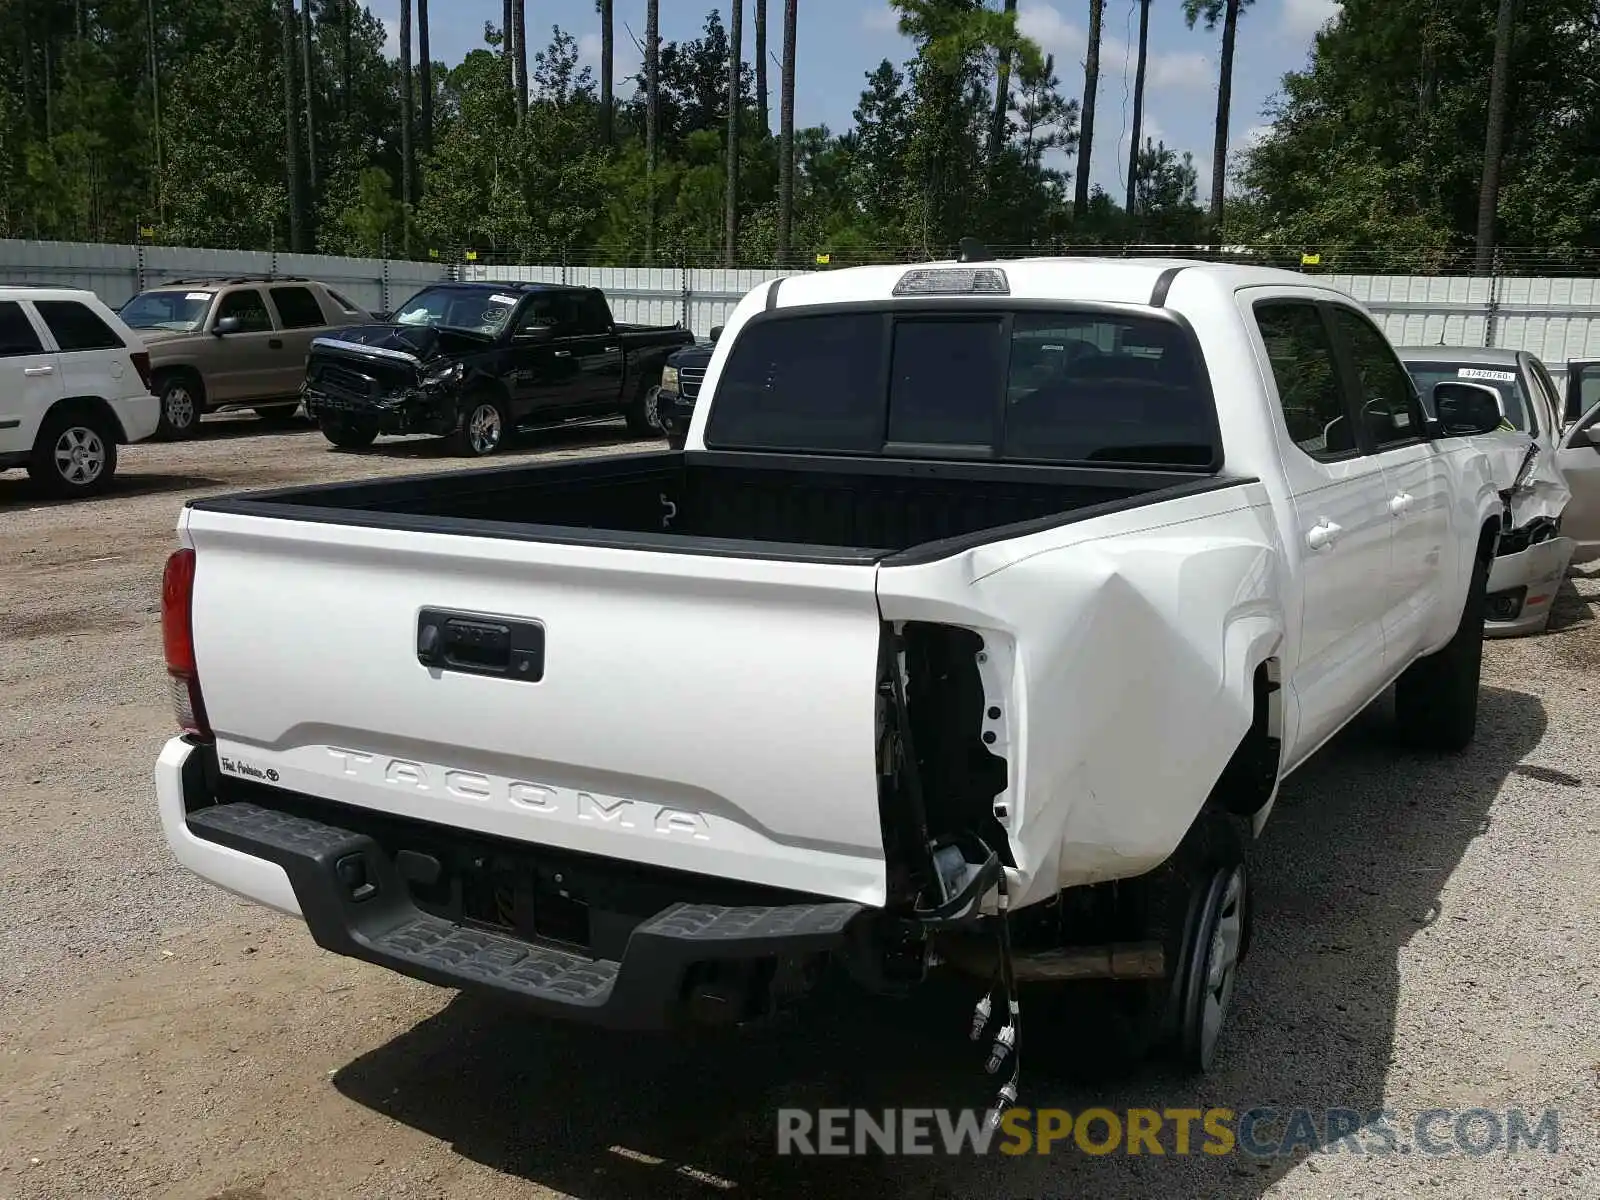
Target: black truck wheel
(643, 421)
(349, 433)
(485, 426)
(1436, 700)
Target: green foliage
(1379, 142)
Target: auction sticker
(1483, 373)
(499, 299)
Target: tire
(1215, 947)
(484, 428)
(1436, 699)
(1185, 900)
(279, 415)
(74, 455)
(183, 400)
(350, 434)
(643, 419)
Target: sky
(839, 41)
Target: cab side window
(1388, 405)
(1305, 369)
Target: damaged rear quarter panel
(1131, 641)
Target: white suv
(74, 383)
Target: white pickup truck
(978, 589)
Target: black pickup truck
(475, 361)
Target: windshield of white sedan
(475, 310)
(1505, 380)
(1028, 386)
(179, 310)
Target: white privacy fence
(1556, 318)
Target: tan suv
(224, 344)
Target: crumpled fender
(1130, 660)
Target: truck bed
(797, 507)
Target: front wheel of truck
(349, 434)
(484, 429)
(1436, 699)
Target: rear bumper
(1523, 586)
(138, 416)
(687, 962)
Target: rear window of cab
(1048, 386)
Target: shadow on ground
(19, 491)
(1570, 606)
(1350, 868)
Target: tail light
(177, 637)
(141, 364)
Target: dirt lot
(1427, 939)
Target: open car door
(1579, 460)
(1583, 389)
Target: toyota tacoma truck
(973, 630)
(475, 361)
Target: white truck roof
(1100, 280)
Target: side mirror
(227, 325)
(1466, 409)
(716, 333)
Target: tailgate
(701, 713)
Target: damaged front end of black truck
(399, 379)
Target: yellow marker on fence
(822, 259)
(472, 256)
(1311, 260)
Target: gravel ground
(1426, 939)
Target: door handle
(563, 353)
(1401, 504)
(35, 372)
(612, 349)
(275, 343)
(1323, 534)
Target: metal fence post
(139, 268)
(383, 283)
(1493, 313)
(684, 294)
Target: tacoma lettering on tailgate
(564, 803)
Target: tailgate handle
(475, 644)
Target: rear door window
(297, 308)
(1305, 371)
(76, 326)
(17, 335)
(1031, 386)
